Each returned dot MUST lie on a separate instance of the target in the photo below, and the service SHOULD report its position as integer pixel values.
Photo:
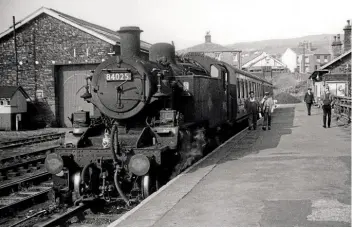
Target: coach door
(225, 86)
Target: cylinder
(162, 52)
(130, 41)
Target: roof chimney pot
(347, 37)
(208, 37)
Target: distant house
(13, 103)
(216, 51)
(263, 62)
(313, 58)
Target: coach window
(247, 85)
(242, 88)
(260, 90)
(238, 88)
(214, 72)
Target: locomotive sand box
(158, 116)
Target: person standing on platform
(266, 109)
(327, 102)
(252, 108)
(309, 99)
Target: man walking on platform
(252, 107)
(327, 100)
(309, 99)
(267, 108)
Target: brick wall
(46, 39)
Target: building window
(1, 103)
(306, 59)
(318, 57)
(316, 67)
(218, 56)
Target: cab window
(214, 72)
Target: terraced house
(305, 59)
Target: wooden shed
(13, 104)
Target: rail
(343, 108)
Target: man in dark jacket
(309, 99)
(327, 102)
(252, 107)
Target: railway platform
(296, 174)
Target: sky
(186, 21)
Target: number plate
(127, 76)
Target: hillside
(278, 46)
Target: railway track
(24, 182)
(82, 215)
(23, 187)
(30, 140)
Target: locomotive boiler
(158, 116)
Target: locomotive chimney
(347, 37)
(130, 41)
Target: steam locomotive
(158, 116)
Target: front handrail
(343, 107)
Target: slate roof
(209, 47)
(321, 51)
(332, 62)
(299, 51)
(204, 47)
(248, 64)
(330, 65)
(98, 31)
(313, 51)
(247, 58)
(9, 91)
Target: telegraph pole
(14, 37)
(304, 57)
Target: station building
(336, 74)
(55, 52)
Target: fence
(343, 108)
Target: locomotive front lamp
(54, 163)
(139, 164)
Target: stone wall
(41, 43)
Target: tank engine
(158, 116)
(141, 127)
